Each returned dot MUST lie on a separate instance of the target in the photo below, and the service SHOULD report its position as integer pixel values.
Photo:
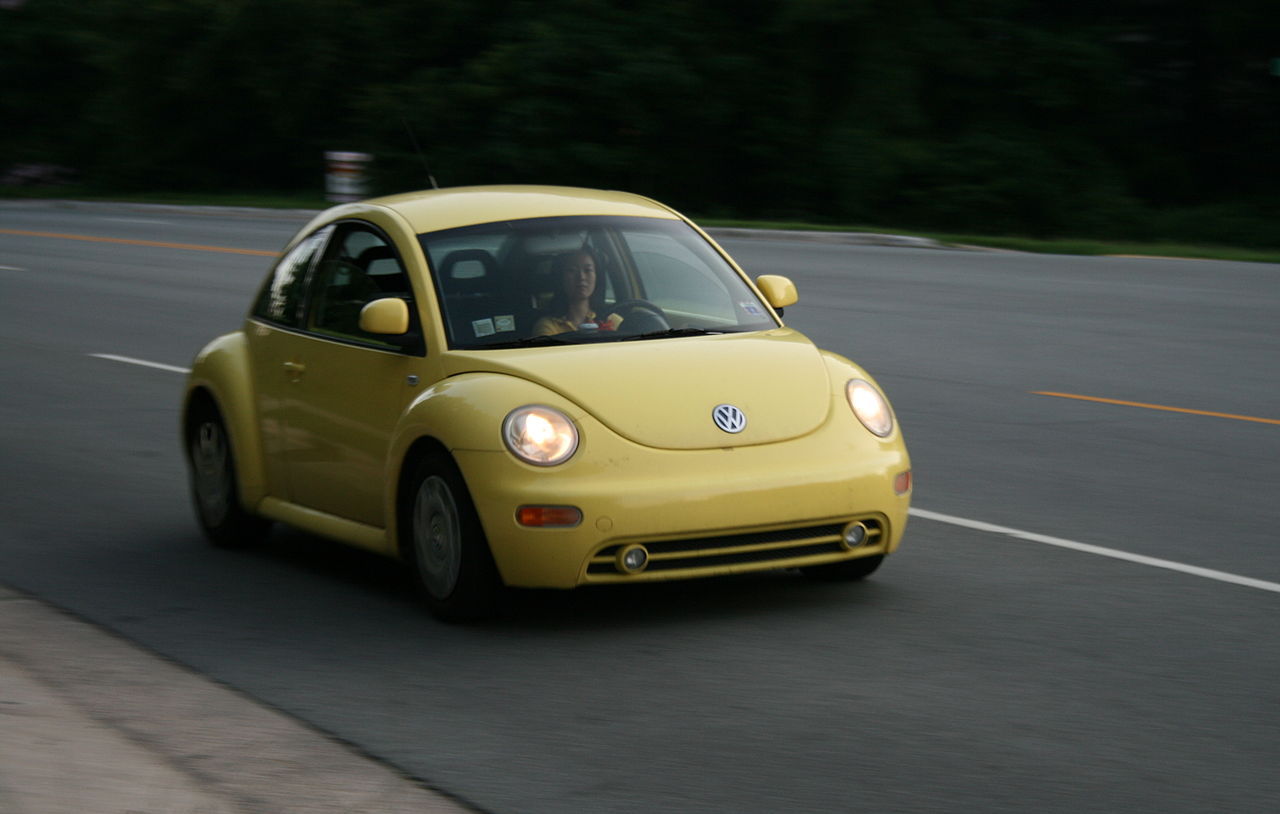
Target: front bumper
(698, 512)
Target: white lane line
(11, 268)
(129, 360)
(1154, 562)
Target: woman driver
(571, 305)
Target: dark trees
(1143, 118)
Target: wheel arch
(419, 449)
(221, 377)
(461, 413)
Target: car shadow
(587, 607)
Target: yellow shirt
(559, 325)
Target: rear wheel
(214, 487)
(848, 570)
(445, 544)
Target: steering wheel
(651, 318)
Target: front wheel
(848, 570)
(214, 488)
(445, 544)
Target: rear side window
(281, 298)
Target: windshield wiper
(590, 337)
(673, 332)
(533, 341)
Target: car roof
(435, 209)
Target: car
(539, 387)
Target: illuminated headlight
(870, 407)
(542, 436)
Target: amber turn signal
(543, 516)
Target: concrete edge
(255, 758)
(844, 238)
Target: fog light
(633, 559)
(855, 534)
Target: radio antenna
(421, 156)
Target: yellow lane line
(153, 243)
(1158, 407)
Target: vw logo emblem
(729, 418)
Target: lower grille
(736, 549)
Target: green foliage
(1146, 118)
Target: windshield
(585, 279)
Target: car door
(347, 388)
(270, 332)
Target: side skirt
(328, 525)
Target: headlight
(539, 435)
(870, 407)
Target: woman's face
(579, 276)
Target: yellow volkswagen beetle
(539, 387)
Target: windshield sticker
(751, 308)
(504, 322)
(482, 327)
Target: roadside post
(345, 177)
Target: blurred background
(1144, 119)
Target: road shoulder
(94, 722)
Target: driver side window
(359, 266)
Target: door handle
(295, 370)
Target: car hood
(661, 392)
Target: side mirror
(388, 316)
(779, 291)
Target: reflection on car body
(391, 388)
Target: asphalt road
(976, 671)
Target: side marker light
(902, 483)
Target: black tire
(445, 545)
(215, 489)
(846, 571)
